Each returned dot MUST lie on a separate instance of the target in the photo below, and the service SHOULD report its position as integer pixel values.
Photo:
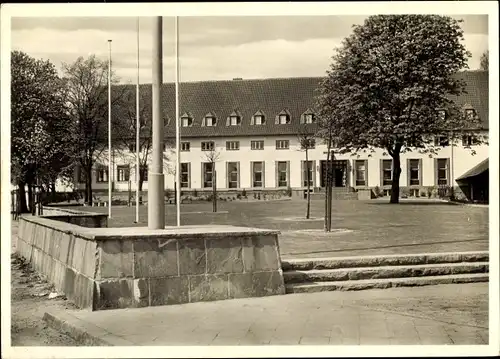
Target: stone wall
(103, 268)
(80, 218)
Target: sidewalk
(443, 314)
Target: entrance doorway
(340, 173)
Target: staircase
(357, 273)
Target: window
(209, 120)
(284, 119)
(282, 144)
(442, 141)
(257, 145)
(232, 145)
(468, 141)
(233, 174)
(257, 174)
(470, 113)
(307, 173)
(360, 168)
(207, 174)
(310, 143)
(259, 120)
(386, 172)
(144, 170)
(207, 146)
(185, 175)
(442, 171)
(187, 120)
(102, 174)
(282, 173)
(234, 119)
(308, 117)
(185, 146)
(414, 172)
(123, 173)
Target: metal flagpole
(177, 120)
(137, 126)
(109, 131)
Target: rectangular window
(468, 141)
(442, 171)
(257, 145)
(185, 146)
(234, 120)
(307, 168)
(144, 169)
(232, 174)
(208, 174)
(282, 144)
(386, 172)
(102, 174)
(470, 113)
(210, 121)
(442, 141)
(284, 119)
(187, 121)
(257, 174)
(414, 172)
(185, 175)
(259, 120)
(309, 143)
(123, 173)
(207, 146)
(282, 174)
(309, 118)
(232, 145)
(360, 166)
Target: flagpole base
(156, 200)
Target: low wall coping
(127, 233)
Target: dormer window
(308, 117)
(209, 120)
(187, 120)
(470, 113)
(283, 118)
(258, 119)
(234, 119)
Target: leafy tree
(391, 86)
(86, 89)
(212, 157)
(38, 122)
(484, 61)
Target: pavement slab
(373, 317)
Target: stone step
(384, 283)
(383, 260)
(384, 272)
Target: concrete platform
(375, 317)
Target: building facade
(246, 131)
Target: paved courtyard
(443, 314)
(360, 227)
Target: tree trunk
(396, 174)
(214, 191)
(141, 181)
(308, 210)
(327, 185)
(22, 205)
(53, 191)
(330, 190)
(88, 186)
(31, 199)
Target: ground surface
(442, 314)
(29, 302)
(360, 227)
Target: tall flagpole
(177, 130)
(137, 125)
(109, 131)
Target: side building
(247, 131)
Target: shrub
(238, 196)
(378, 192)
(404, 192)
(195, 193)
(244, 193)
(289, 191)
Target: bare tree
(306, 140)
(484, 62)
(212, 156)
(86, 86)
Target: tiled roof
(270, 97)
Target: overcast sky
(211, 48)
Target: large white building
(252, 125)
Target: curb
(82, 332)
